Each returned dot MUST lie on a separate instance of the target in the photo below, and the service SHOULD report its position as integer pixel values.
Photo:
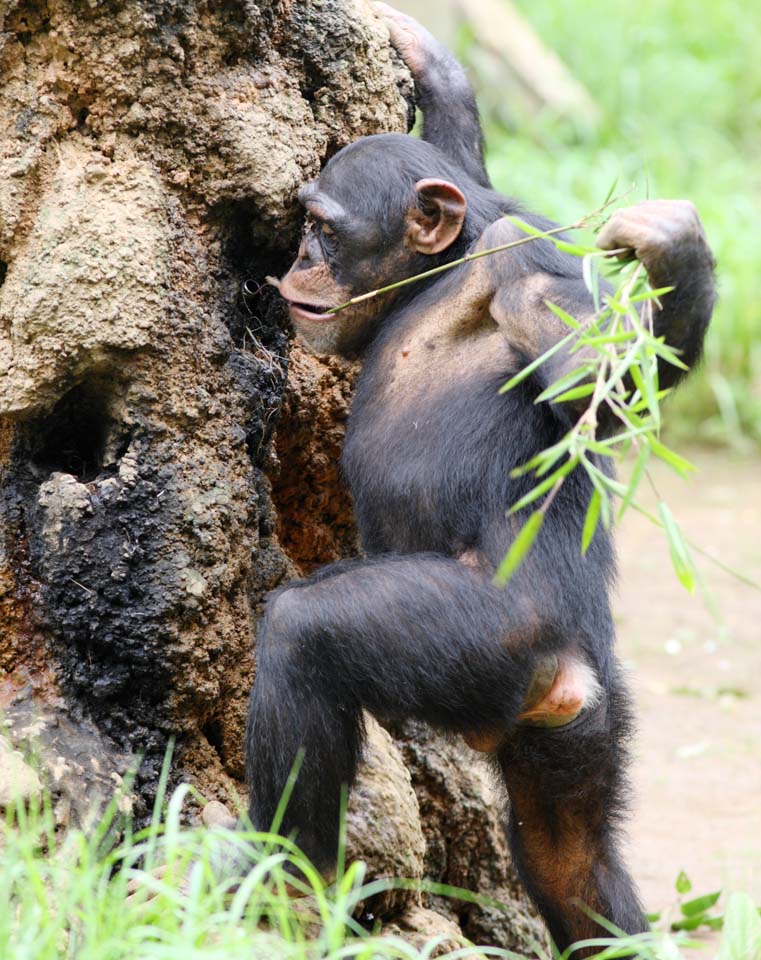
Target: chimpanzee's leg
(421, 636)
(567, 794)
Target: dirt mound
(150, 155)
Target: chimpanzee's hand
(442, 91)
(419, 49)
(666, 235)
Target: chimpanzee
(416, 628)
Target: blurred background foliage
(676, 88)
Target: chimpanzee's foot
(559, 690)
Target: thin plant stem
(584, 221)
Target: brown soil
(697, 773)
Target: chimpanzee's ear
(435, 223)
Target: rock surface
(150, 154)
(383, 821)
(18, 781)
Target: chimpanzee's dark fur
(412, 631)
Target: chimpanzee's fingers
(388, 12)
(651, 227)
(627, 228)
(411, 39)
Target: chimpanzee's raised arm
(445, 97)
(668, 237)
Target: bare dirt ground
(697, 685)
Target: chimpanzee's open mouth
(309, 311)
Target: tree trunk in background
(150, 154)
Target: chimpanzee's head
(383, 209)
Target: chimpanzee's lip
(309, 311)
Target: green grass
(679, 87)
(67, 897)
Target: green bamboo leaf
(608, 198)
(590, 521)
(605, 509)
(683, 883)
(602, 481)
(563, 383)
(636, 320)
(573, 248)
(642, 424)
(615, 486)
(582, 344)
(626, 363)
(732, 571)
(689, 923)
(677, 463)
(603, 447)
(650, 294)
(585, 390)
(616, 306)
(742, 930)
(519, 548)
(643, 381)
(590, 270)
(526, 227)
(545, 485)
(563, 315)
(680, 555)
(546, 467)
(642, 404)
(622, 337)
(534, 493)
(549, 456)
(618, 438)
(634, 480)
(668, 353)
(700, 904)
(528, 370)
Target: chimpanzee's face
(360, 236)
(339, 257)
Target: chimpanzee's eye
(328, 238)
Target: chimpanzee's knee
(277, 699)
(283, 622)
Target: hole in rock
(252, 252)
(213, 733)
(79, 108)
(72, 438)
(3, 271)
